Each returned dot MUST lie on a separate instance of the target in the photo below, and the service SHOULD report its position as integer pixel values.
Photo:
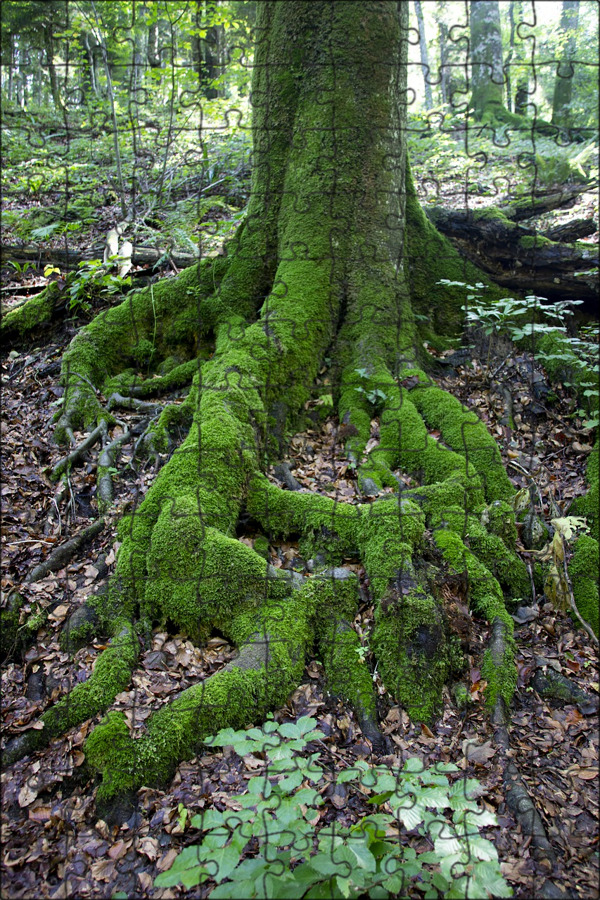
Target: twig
(28, 541)
(528, 475)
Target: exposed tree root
(76, 456)
(62, 555)
(117, 400)
(520, 803)
(106, 464)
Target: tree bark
(521, 258)
(49, 48)
(563, 86)
(487, 74)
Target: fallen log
(70, 259)
(535, 204)
(519, 257)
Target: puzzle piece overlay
(314, 305)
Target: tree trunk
(563, 86)
(49, 48)
(424, 54)
(487, 74)
(333, 261)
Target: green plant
(579, 355)
(271, 844)
(90, 280)
(21, 269)
(375, 396)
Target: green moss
(11, 639)
(501, 676)
(457, 489)
(111, 674)
(197, 576)
(283, 513)
(534, 242)
(32, 315)
(589, 504)
(466, 434)
(261, 546)
(157, 438)
(583, 571)
(499, 519)
(348, 676)
(388, 532)
(485, 597)
(110, 750)
(415, 655)
(485, 594)
(490, 549)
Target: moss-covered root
(415, 652)
(347, 673)
(150, 325)
(111, 674)
(31, 316)
(489, 548)
(157, 437)
(583, 571)
(464, 432)
(269, 666)
(486, 599)
(589, 504)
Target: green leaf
(209, 818)
(222, 862)
(380, 798)
(353, 773)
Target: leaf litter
(53, 844)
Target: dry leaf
(166, 861)
(27, 795)
(478, 753)
(103, 870)
(58, 614)
(118, 850)
(149, 847)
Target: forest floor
(53, 843)
(54, 846)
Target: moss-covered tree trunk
(334, 259)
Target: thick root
(112, 673)
(273, 643)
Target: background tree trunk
(563, 86)
(424, 55)
(487, 75)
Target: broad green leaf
(222, 862)
(209, 818)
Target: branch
(59, 558)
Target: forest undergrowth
(55, 842)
